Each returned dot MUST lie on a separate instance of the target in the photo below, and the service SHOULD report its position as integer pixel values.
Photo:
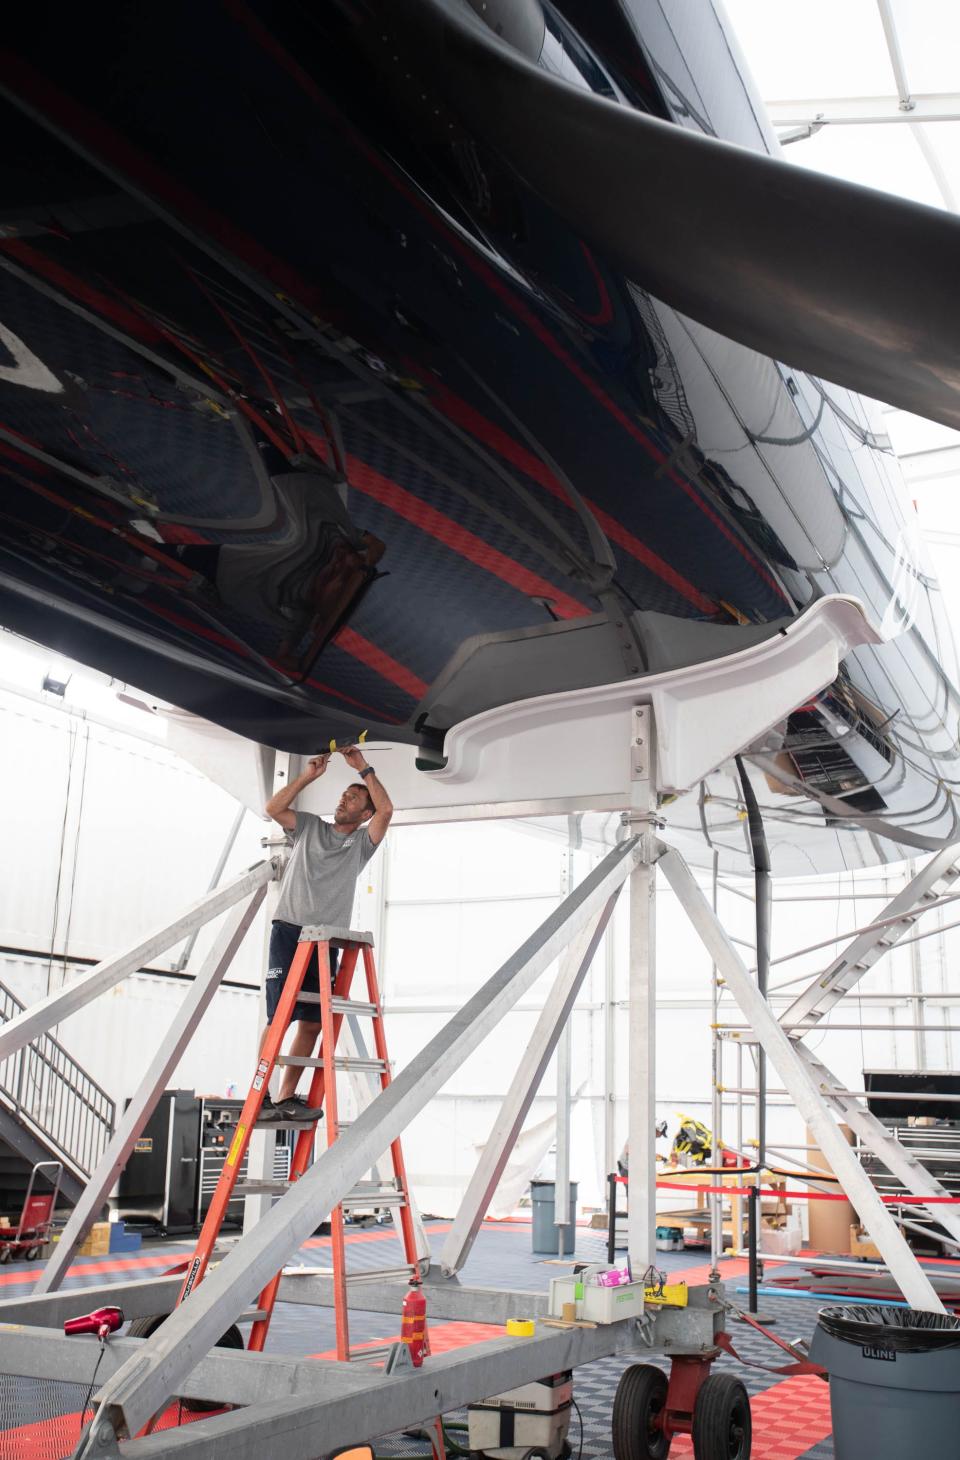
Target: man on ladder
(318, 887)
(315, 909)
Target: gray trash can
(894, 1381)
(543, 1196)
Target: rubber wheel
(6, 1252)
(33, 1253)
(722, 1428)
(233, 1338)
(641, 1395)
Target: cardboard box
(97, 1241)
(861, 1244)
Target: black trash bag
(903, 1330)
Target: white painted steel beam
(519, 1098)
(143, 1385)
(931, 466)
(141, 1106)
(788, 1062)
(42, 1015)
(867, 111)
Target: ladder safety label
(191, 1279)
(235, 1145)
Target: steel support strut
(138, 1111)
(42, 1015)
(143, 1384)
(519, 1098)
(788, 1061)
(641, 1080)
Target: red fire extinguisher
(413, 1324)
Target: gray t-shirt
(321, 877)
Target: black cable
(580, 1418)
(93, 1380)
(63, 839)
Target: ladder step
(255, 1315)
(341, 1006)
(347, 1062)
(353, 1006)
(372, 1199)
(261, 1188)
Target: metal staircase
(934, 881)
(49, 1106)
(911, 1172)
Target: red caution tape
(906, 1200)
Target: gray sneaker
(295, 1108)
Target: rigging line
(72, 731)
(866, 821)
(604, 558)
(912, 628)
(790, 440)
(75, 854)
(562, 563)
(865, 437)
(764, 464)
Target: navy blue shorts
(284, 938)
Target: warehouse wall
(110, 835)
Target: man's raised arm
(278, 807)
(382, 805)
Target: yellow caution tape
(521, 1327)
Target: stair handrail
(91, 1134)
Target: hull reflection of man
(318, 887)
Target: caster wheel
(721, 1420)
(5, 1253)
(33, 1253)
(233, 1338)
(641, 1395)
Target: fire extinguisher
(413, 1324)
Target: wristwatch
(367, 771)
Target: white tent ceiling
(869, 91)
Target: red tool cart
(36, 1219)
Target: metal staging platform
(40, 1418)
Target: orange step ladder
(335, 1005)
